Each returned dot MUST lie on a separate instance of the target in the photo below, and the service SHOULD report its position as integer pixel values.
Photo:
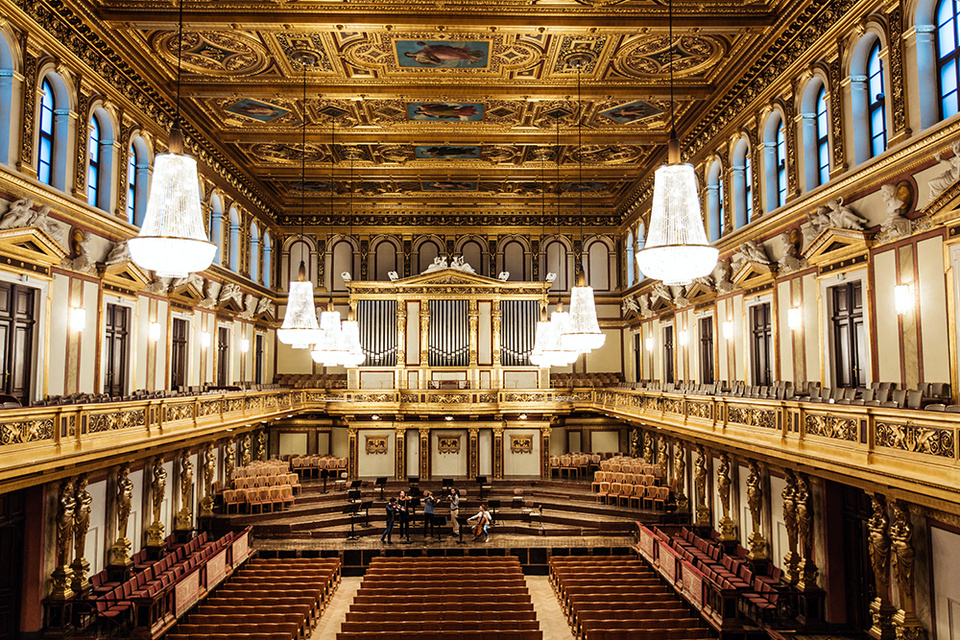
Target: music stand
(354, 496)
(355, 484)
(446, 483)
(494, 505)
(462, 520)
(381, 482)
(353, 509)
(365, 505)
(482, 481)
(324, 474)
(439, 522)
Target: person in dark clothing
(403, 516)
(391, 518)
(429, 503)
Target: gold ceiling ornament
(214, 53)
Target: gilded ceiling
(445, 105)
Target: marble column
(474, 462)
(400, 438)
(498, 451)
(495, 332)
(352, 450)
(474, 318)
(545, 451)
(402, 334)
(424, 333)
(424, 454)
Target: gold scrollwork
(209, 408)
(699, 410)
(376, 444)
(26, 431)
(448, 444)
(751, 417)
(449, 398)
(115, 420)
(927, 440)
(172, 413)
(831, 427)
(521, 443)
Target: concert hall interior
(411, 260)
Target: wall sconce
(244, 345)
(374, 417)
(795, 318)
(728, 330)
(154, 331)
(903, 298)
(448, 418)
(682, 336)
(649, 343)
(204, 339)
(78, 318)
(523, 416)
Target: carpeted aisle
(337, 609)
(552, 621)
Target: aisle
(337, 610)
(552, 621)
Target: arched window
(948, 56)
(138, 180)
(513, 260)
(254, 252)
(876, 107)
(93, 163)
(598, 265)
(640, 244)
(472, 252)
(742, 183)
(823, 138)
(775, 161)
(428, 251)
(630, 258)
(9, 114)
(714, 200)
(234, 240)
(46, 134)
(342, 261)
(216, 227)
(385, 260)
(558, 262)
(267, 259)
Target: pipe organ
(378, 332)
(449, 334)
(518, 327)
(448, 326)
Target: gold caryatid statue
(680, 475)
(647, 447)
(120, 551)
(791, 561)
(261, 445)
(758, 544)
(158, 489)
(229, 462)
(206, 503)
(728, 528)
(700, 480)
(662, 457)
(245, 450)
(81, 524)
(62, 574)
(185, 515)
(879, 546)
(901, 542)
(808, 570)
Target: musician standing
(429, 502)
(392, 510)
(403, 515)
(455, 511)
(483, 519)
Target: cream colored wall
(521, 464)
(484, 334)
(57, 337)
(485, 445)
(292, 443)
(945, 552)
(413, 333)
(447, 465)
(786, 335)
(933, 311)
(777, 534)
(811, 328)
(371, 465)
(603, 441)
(888, 330)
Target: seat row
(277, 498)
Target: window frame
(951, 60)
(822, 137)
(47, 137)
(94, 164)
(876, 102)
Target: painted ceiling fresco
(408, 107)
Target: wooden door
(223, 356)
(17, 326)
(179, 341)
(116, 338)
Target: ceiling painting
(448, 152)
(417, 54)
(256, 110)
(445, 111)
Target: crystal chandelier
(300, 328)
(555, 354)
(331, 350)
(543, 331)
(172, 241)
(676, 250)
(583, 334)
(350, 333)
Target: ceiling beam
(506, 136)
(525, 17)
(481, 170)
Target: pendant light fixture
(676, 250)
(172, 241)
(330, 350)
(583, 333)
(300, 328)
(350, 328)
(543, 331)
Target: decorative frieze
(829, 426)
(916, 439)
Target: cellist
(483, 520)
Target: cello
(482, 520)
